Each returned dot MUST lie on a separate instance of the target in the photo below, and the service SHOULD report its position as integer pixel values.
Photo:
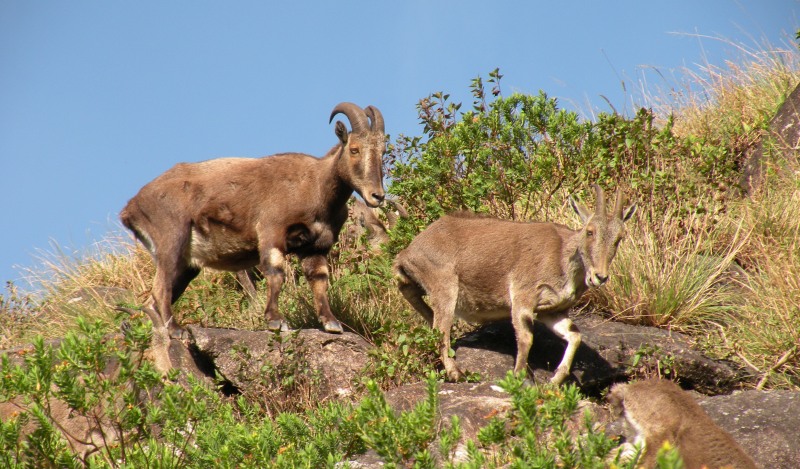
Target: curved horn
(356, 116)
(600, 207)
(619, 204)
(376, 119)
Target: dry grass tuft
(735, 99)
(115, 271)
(764, 334)
(669, 275)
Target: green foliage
(284, 383)
(650, 361)
(101, 380)
(403, 353)
(400, 439)
(541, 436)
(495, 158)
(518, 157)
(142, 420)
(669, 458)
(145, 420)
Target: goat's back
(228, 191)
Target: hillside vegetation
(701, 257)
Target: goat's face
(364, 154)
(361, 162)
(601, 234)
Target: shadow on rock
(605, 355)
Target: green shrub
(518, 157)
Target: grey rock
(241, 357)
(764, 423)
(604, 357)
(783, 135)
(474, 403)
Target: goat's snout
(375, 199)
(596, 278)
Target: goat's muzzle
(374, 199)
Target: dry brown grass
(670, 276)
(89, 284)
(764, 334)
(731, 100)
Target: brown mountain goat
(485, 269)
(235, 213)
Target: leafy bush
(403, 353)
(137, 418)
(518, 157)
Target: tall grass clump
(671, 275)
(765, 334)
(729, 102)
(67, 285)
(730, 106)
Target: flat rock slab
(605, 355)
(765, 423)
(474, 403)
(244, 358)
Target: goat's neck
(574, 272)
(336, 189)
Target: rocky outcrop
(474, 403)
(782, 136)
(245, 358)
(607, 354)
(764, 423)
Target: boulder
(783, 134)
(605, 356)
(245, 358)
(474, 403)
(764, 423)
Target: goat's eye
(354, 150)
(590, 232)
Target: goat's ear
(341, 131)
(628, 212)
(579, 209)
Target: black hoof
(178, 333)
(277, 325)
(334, 327)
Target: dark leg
(272, 267)
(171, 278)
(413, 293)
(182, 281)
(315, 268)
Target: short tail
(127, 219)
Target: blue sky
(98, 98)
